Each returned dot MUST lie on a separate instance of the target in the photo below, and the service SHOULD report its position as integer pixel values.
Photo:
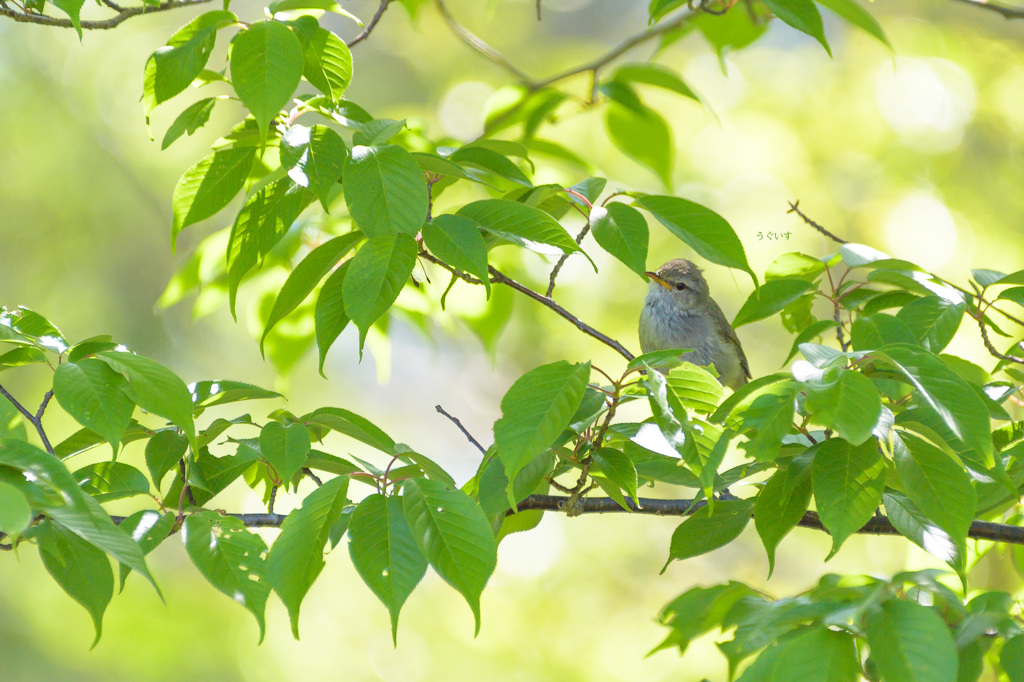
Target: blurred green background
(918, 154)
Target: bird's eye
(680, 287)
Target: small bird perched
(680, 313)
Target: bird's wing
(730, 336)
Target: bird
(679, 312)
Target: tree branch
(500, 278)
(465, 431)
(878, 525)
(1006, 12)
(36, 420)
(370, 26)
(122, 15)
(794, 207)
(480, 46)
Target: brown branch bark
(500, 278)
(123, 15)
(878, 525)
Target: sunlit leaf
(455, 536)
(297, 556)
(384, 552)
(847, 481)
(266, 65)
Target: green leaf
(850, 405)
(19, 357)
(171, 69)
(770, 298)
(803, 16)
(148, 528)
(847, 481)
(455, 536)
(207, 187)
(107, 481)
(155, 389)
(285, 448)
(94, 395)
(1011, 658)
(911, 643)
(618, 468)
(731, 30)
(352, 425)
(942, 391)
(698, 610)
(314, 158)
(695, 387)
(657, 75)
(1016, 294)
(326, 5)
(744, 392)
(852, 11)
(327, 64)
(781, 504)
(771, 415)
(266, 66)
(385, 191)
(73, 9)
(163, 451)
(260, 225)
(644, 136)
(939, 486)
(874, 331)
(306, 275)
(80, 569)
(810, 654)
(913, 524)
(384, 552)
(933, 320)
(376, 276)
(706, 232)
(457, 241)
(536, 409)
(189, 121)
(705, 531)
(526, 226)
(622, 231)
(812, 331)
(329, 317)
(378, 131)
(80, 513)
(223, 391)
(230, 558)
(490, 161)
(15, 514)
(297, 556)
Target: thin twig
(113, 22)
(465, 431)
(561, 261)
(479, 45)
(794, 207)
(500, 278)
(370, 26)
(1006, 12)
(309, 474)
(980, 317)
(272, 500)
(35, 420)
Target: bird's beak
(659, 280)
